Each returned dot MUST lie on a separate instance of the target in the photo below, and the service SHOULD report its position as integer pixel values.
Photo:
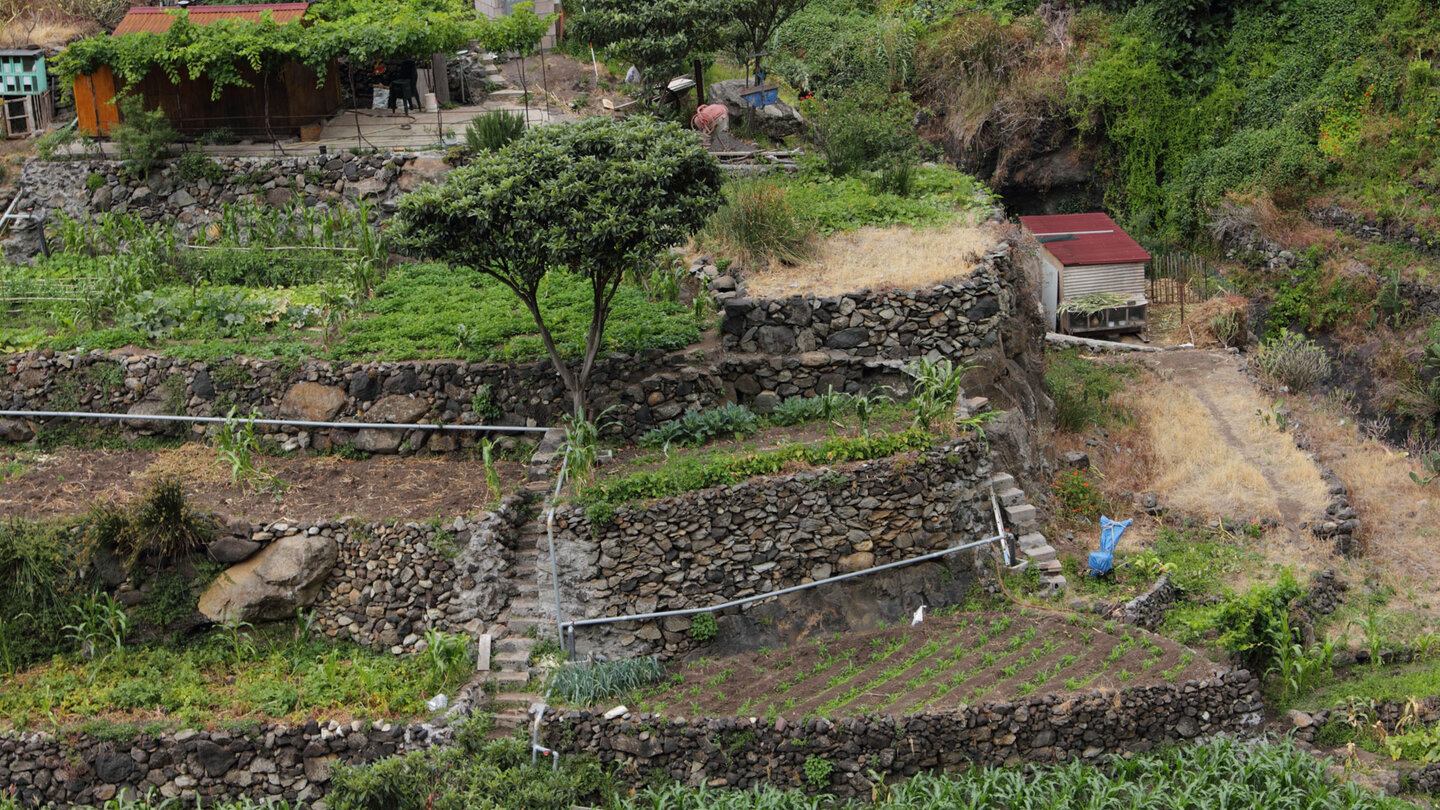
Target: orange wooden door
(95, 102)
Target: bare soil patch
(945, 662)
(897, 257)
(67, 481)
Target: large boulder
(776, 120)
(397, 409)
(312, 402)
(271, 585)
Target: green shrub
(1078, 499)
(818, 770)
(493, 774)
(95, 181)
(195, 166)
(141, 138)
(492, 130)
(760, 222)
(704, 627)
(48, 146)
(864, 129)
(1253, 625)
(1082, 390)
(1292, 360)
(687, 474)
(588, 684)
(698, 427)
(159, 526)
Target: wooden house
(1085, 260)
(27, 102)
(279, 104)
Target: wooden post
(441, 76)
(699, 85)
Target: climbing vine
(227, 52)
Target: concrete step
(1051, 567)
(507, 93)
(1002, 481)
(514, 643)
(509, 677)
(1056, 581)
(1042, 555)
(520, 625)
(516, 698)
(525, 606)
(512, 660)
(1022, 517)
(1011, 497)
(1031, 540)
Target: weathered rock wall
(274, 760)
(744, 752)
(1148, 609)
(390, 582)
(706, 547)
(645, 389)
(954, 319)
(188, 204)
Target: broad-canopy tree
(598, 198)
(660, 37)
(755, 22)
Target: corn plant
(1374, 625)
(235, 446)
(448, 654)
(936, 387)
(581, 448)
(492, 478)
(101, 628)
(237, 634)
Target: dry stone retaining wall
(713, 545)
(647, 388)
(746, 752)
(275, 760)
(166, 196)
(392, 582)
(954, 319)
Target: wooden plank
(482, 658)
(107, 114)
(84, 90)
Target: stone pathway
(525, 621)
(1024, 522)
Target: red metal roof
(158, 19)
(1096, 239)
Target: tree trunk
(573, 383)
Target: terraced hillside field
(944, 662)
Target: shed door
(1049, 291)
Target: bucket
(431, 103)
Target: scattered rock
(272, 584)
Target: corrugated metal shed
(157, 19)
(1096, 239)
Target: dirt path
(68, 481)
(1292, 481)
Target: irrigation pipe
(133, 417)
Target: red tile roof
(1096, 239)
(157, 19)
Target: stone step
(508, 92)
(1002, 481)
(1022, 517)
(513, 660)
(509, 676)
(1049, 567)
(520, 625)
(1012, 497)
(516, 698)
(1042, 555)
(1031, 540)
(514, 718)
(513, 643)
(1056, 581)
(525, 606)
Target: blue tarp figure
(1103, 560)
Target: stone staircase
(524, 621)
(1023, 520)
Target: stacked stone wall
(714, 545)
(748, 752)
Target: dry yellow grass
(192, 462)
(1195, 470)
(897, 257)
(51, 34)
(1211, 454)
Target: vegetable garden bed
(945, 662)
